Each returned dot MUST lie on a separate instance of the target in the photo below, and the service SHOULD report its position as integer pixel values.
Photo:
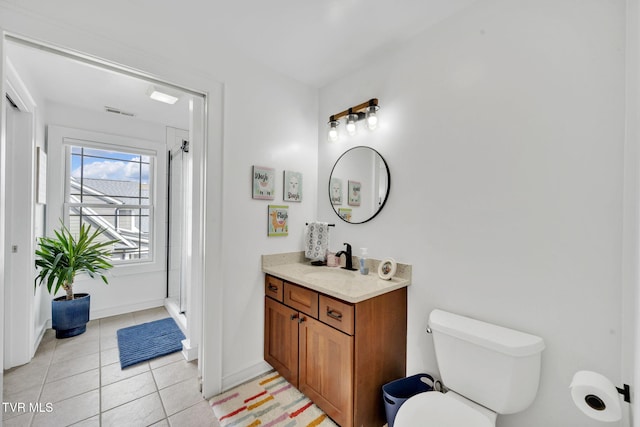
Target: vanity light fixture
(366, 110)
(158, 95)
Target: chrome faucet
(348, 265)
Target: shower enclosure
(178, 228)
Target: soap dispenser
(363, 262)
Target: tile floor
(78, 381)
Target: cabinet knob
(294, 316)
(273, 288)
(301, 319)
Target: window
(112, 190)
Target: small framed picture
(354, 193)
(264, 183)
(345, 213)
(387, 269)
(335, 191)
(292, 186)
(278, 221)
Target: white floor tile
(19, 421)
(72, 366)
(140, 412)
(199, 415)
(181, 396)
(70, 411)
(112, 373)
(71, 386)
(174, 373)
(127, 390)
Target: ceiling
(314, 42)
(61, 80)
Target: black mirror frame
(386, 196)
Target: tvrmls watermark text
(26, 407)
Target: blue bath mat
(149, 340)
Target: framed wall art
(345, 213)
(335, 191)
(278, 221)
(354, 193)
(292, 186)
(263, 183)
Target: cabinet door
(281, 339)
(326, 369)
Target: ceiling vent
(118, 111)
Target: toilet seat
(437, 409)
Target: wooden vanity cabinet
(339, 354)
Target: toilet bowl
(488, 370)
(437, 409)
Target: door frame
(206, 133)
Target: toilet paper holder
(625, 391)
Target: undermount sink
(325, 274)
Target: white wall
(630, 264)
(281, 135)
(503, 128)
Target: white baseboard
(124, 308)
(39, 334)
(180, 319)
(189, 352)
(232, 380)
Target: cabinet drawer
(273, 287)
(337, 314)
(302, 299)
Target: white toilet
(488, 369)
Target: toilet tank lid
(498, 338)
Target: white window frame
(60, 139)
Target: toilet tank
(497, 367)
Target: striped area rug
(267, 401)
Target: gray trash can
(397, 392)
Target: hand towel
(316, 241)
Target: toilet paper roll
(596, 396)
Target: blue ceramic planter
(69, 318)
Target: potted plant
(59, 259)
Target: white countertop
(350, 286)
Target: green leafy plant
(60, 258)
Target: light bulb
(372, 118)
(351, 124)
(333, 130)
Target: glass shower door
(176, 283)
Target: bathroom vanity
(337, 335)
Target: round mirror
(359, 185)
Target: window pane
(111, 178)
(113, 190)
(129, 226)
